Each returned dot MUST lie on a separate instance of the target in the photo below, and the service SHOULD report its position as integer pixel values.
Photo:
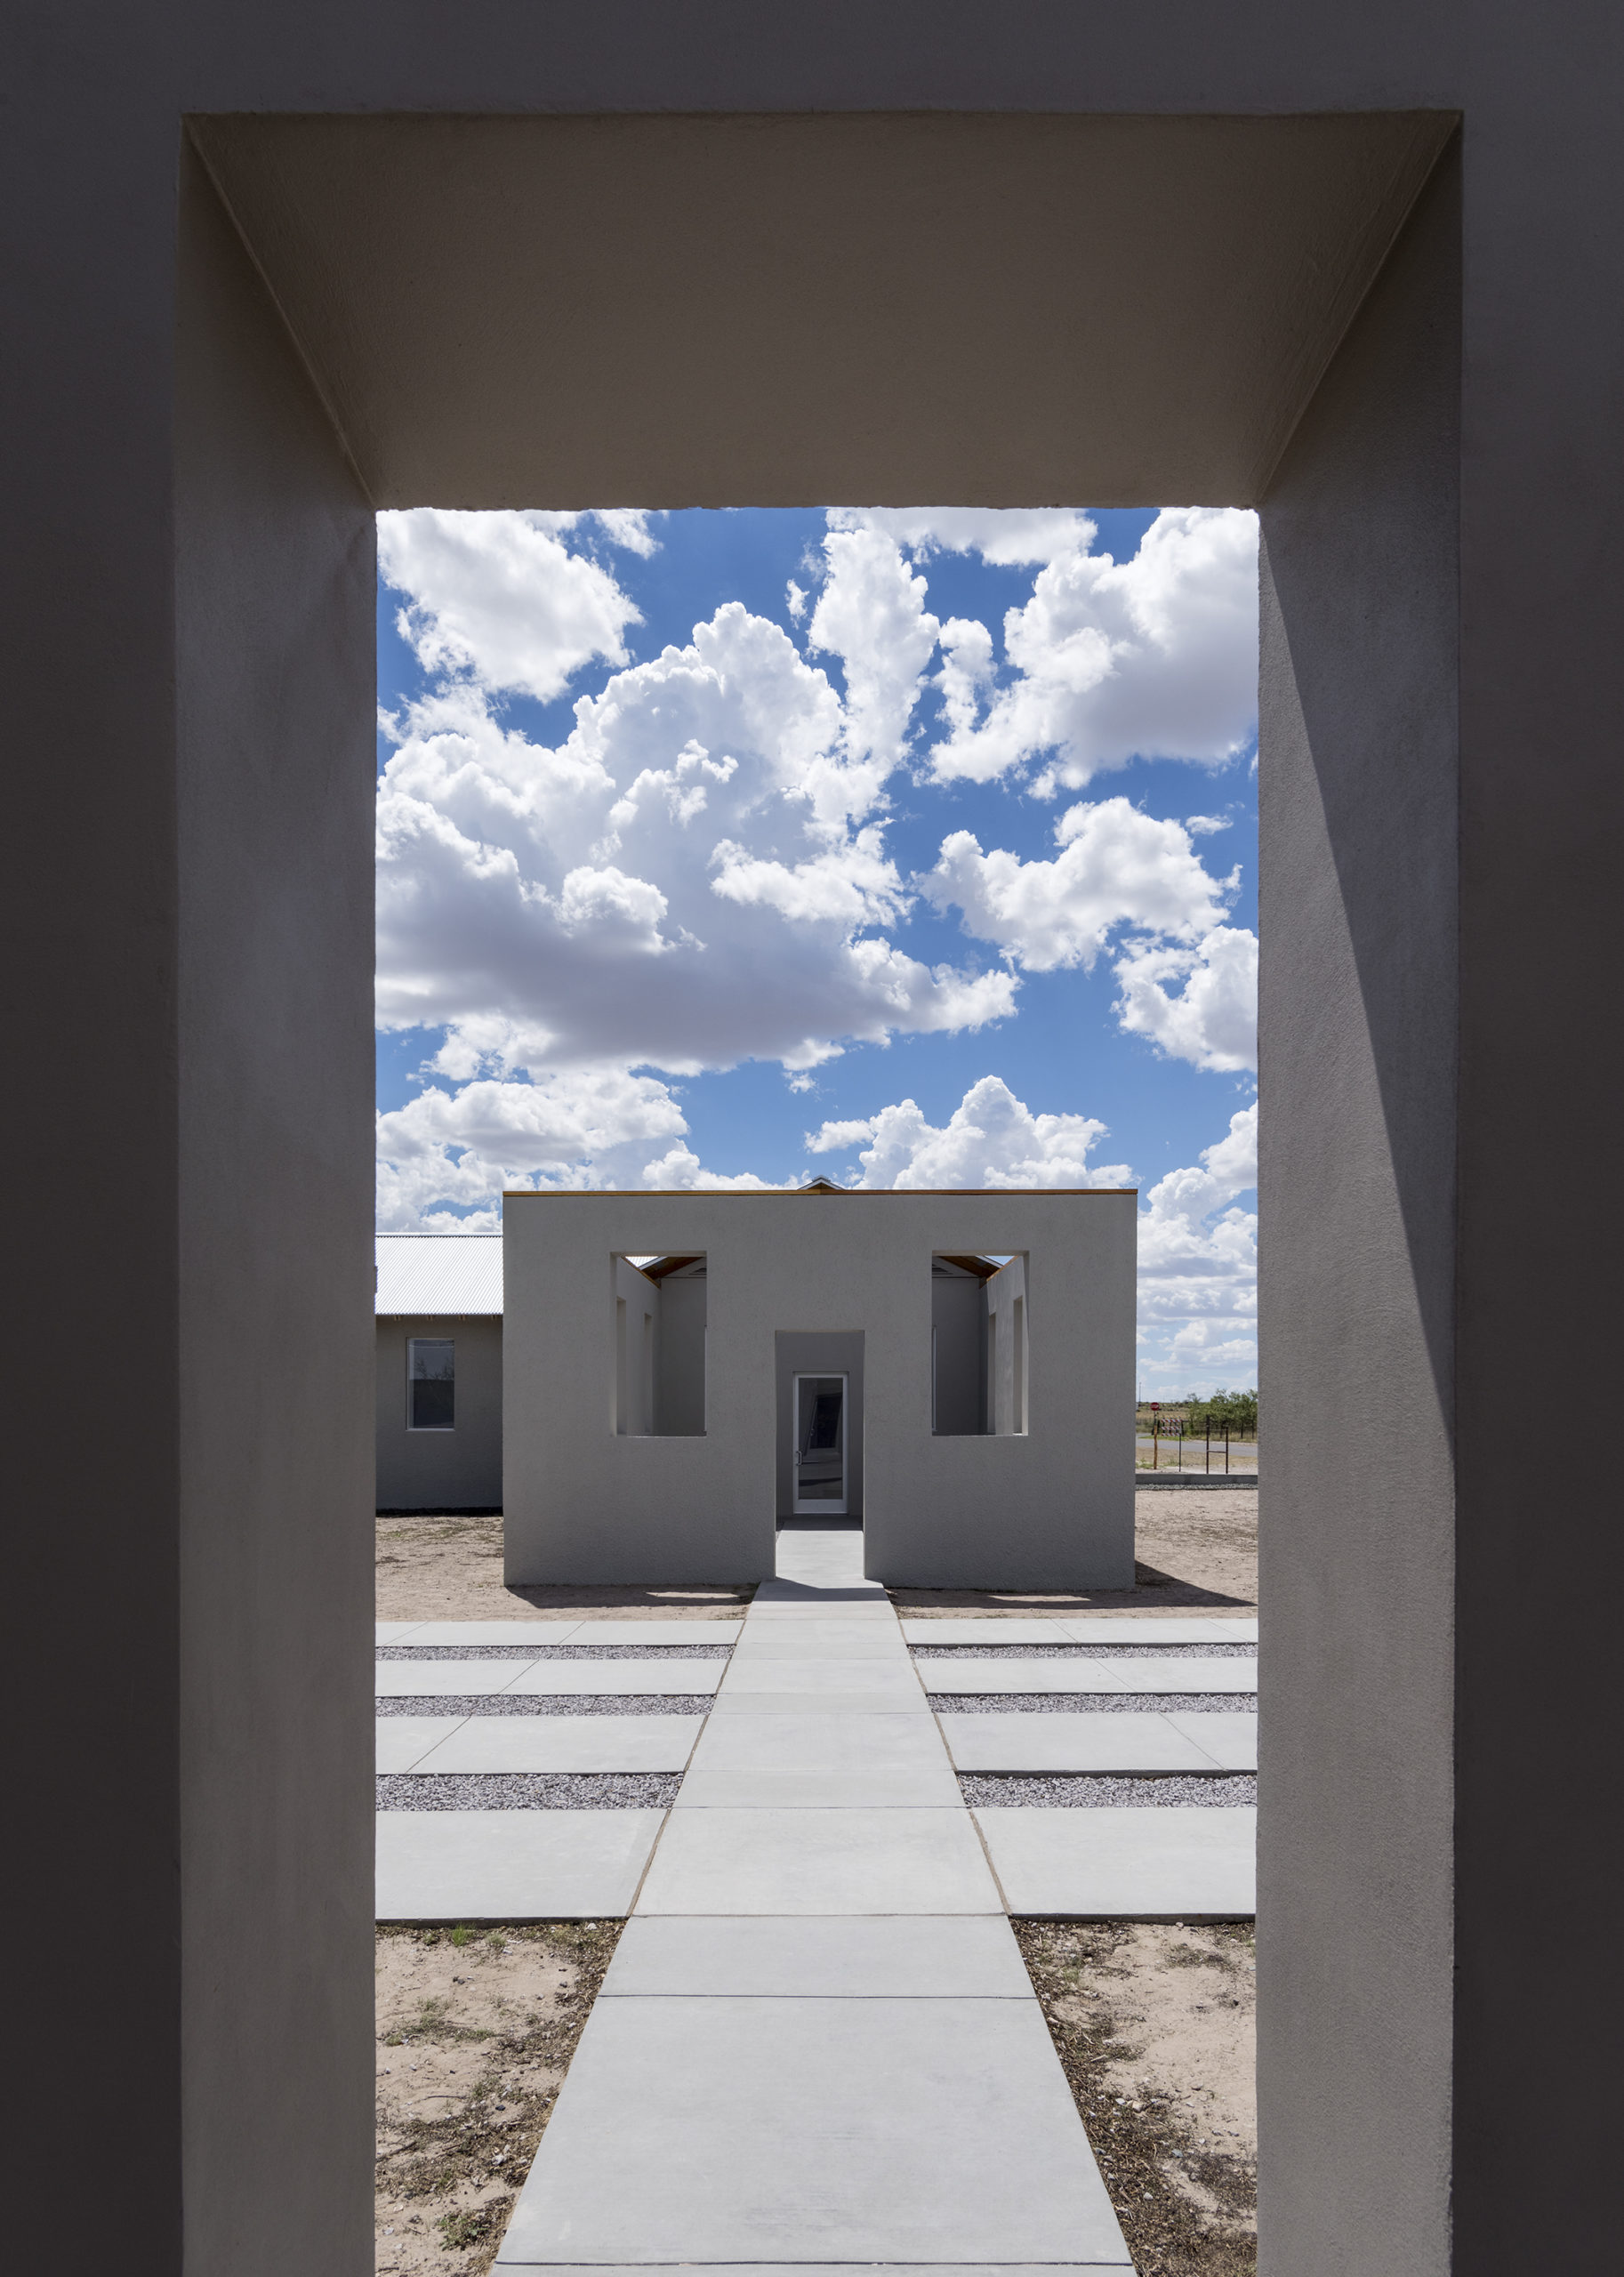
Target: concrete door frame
(189, 588)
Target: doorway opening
(818, 1455)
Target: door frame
(823, 1509)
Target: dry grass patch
(475, 2032)
(1155, 2027)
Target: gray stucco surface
(459, 1469)
(1050, 1508)
(214, 1562)
(1358, 769)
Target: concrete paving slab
(420, 1679)
(824, 1740)
(751, 2130)
(1150, 1628)
(1230, 1739)
(511, 1865)
(1128, 1745)
(1145, 1674)
(517, 1743)
(819, 1762)
(773, 1596)
(892, 1702)
(1124, 1863)
(797, 1861)
(535, 1633)
(876, 1644)
(403, 1740)
(934, 1787)
(987, 1629)
(892, 1676)
(630, 1677)
(393, 1632)
(831, 2268)
(650, 1633)
(861, 1957)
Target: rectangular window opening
(980, 1366)
(660, 1329)
(431, 1383)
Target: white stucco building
(438, 1307)
(683, 1370)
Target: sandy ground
(1155, 2026)
(473, 2039)
(450, 1569)
(1194, 1548)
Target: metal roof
(438, 1273)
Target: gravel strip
(1091, 1703)
(540, 1703)
(1079, 1790)
(528, 1653)
(529, 1791)
(1084, 1652)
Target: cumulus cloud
(1153, 656)
(691, 878)
(990, 1138)
(1116, 867)
(872, 615)
(1198, 1003)
(1012, 536)
(446, 1154)
(1198, 1266)
(501, 596)
(1198, 1248)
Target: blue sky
(739, 848)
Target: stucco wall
(1051, 1508)
(1359, 794)
(459, 1469)
(215, 1564)
(958, 1315)
(276, 603)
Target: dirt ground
(1155, 2026)
(433, 1568)
(1193, 1547)
(475, 2028)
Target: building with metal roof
(438, 1307)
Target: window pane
(431, 1369)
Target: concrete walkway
(816, 2044)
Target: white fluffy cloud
(1012, 536)
(872, 615)
(1213, 1019)
(1198, 1268)
(688, 880)
(1116, 867)
(990, 1138)
(499, 596)
(446, 1154)
(1156, 655)
(1198, 1249)
(698, 872)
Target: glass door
(819, 1455)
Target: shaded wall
(275, 607)
(959, 1318)
(459, 1469)
(1359, 764)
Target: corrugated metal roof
(439, 1273)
